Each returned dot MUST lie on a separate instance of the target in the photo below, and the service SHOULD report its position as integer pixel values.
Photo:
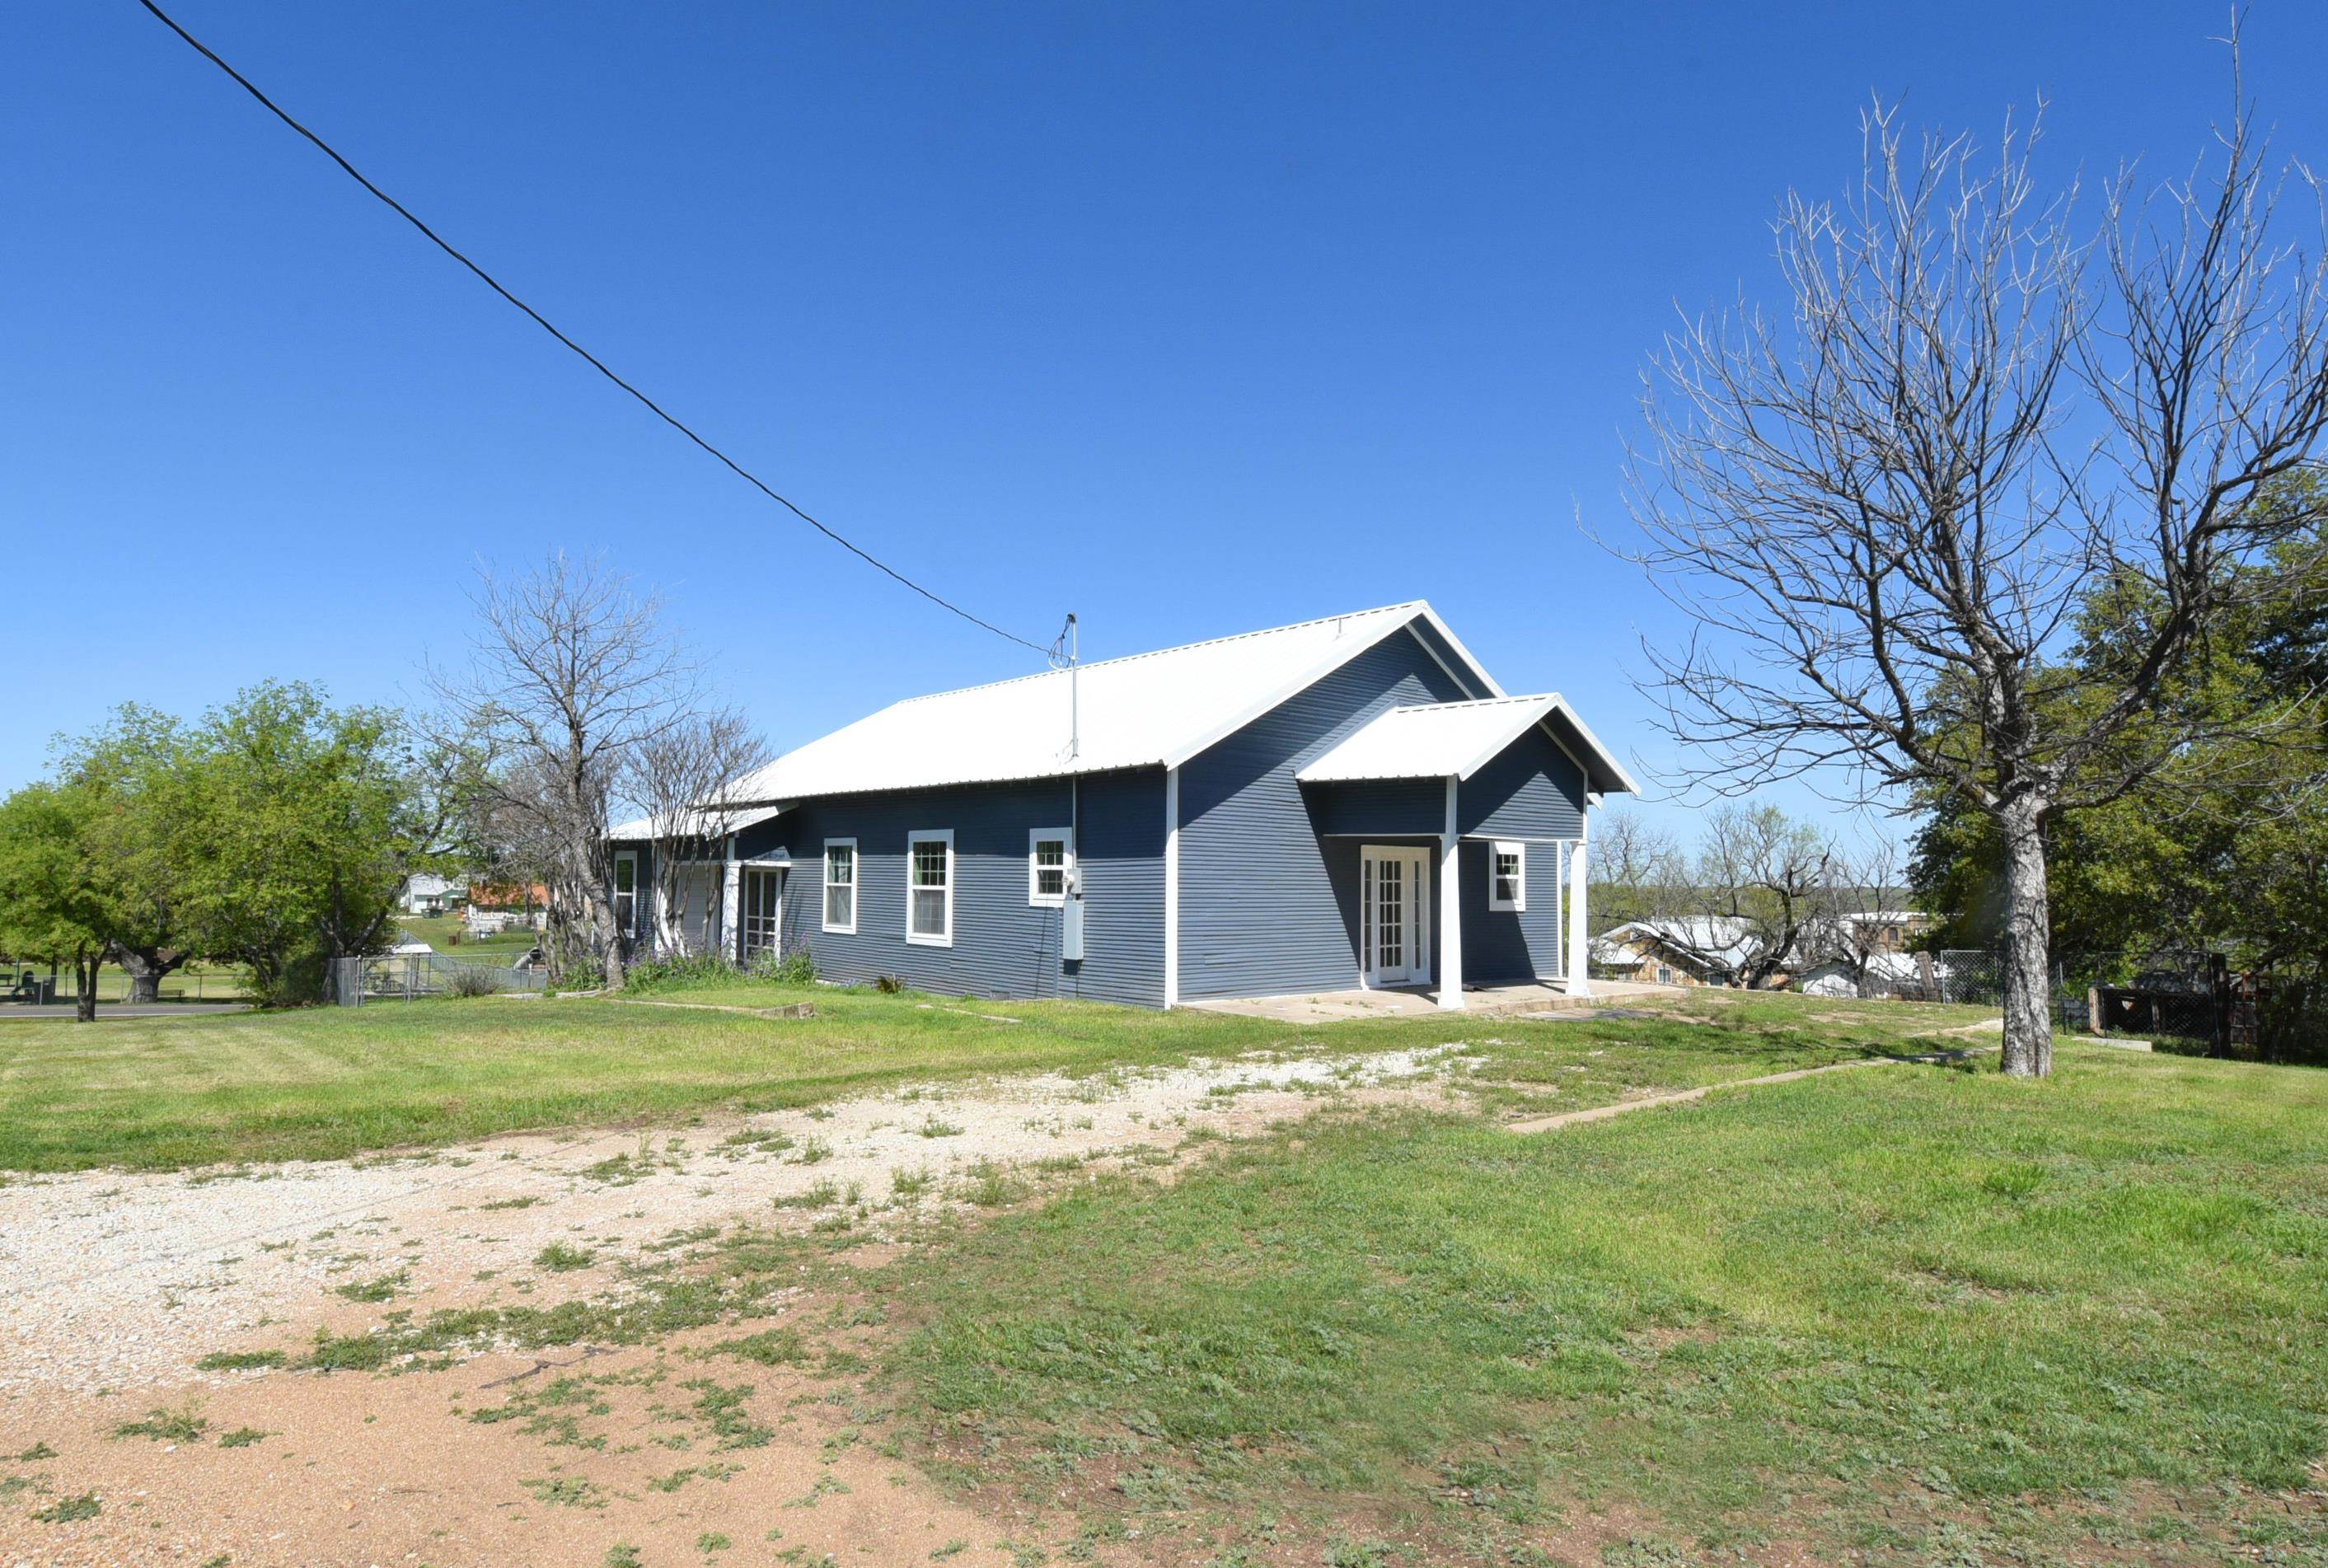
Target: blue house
(1346, 802)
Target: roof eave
(1613, 778)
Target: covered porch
(1453, 836)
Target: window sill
(928, 941)
(840, 931)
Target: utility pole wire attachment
(487, 278)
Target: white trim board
(1171, 886)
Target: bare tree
(1637, 870)
(1772, 881)
(571, 672)
(1863, 918)
(1882, 515)
(682, 778)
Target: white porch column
(731, 886)
(1580, 965)
(1450, 909)
(1171, 886)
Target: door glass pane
(1390, 913)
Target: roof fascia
(1532, 714)
(1447, 634)
(1625, 784)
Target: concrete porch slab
(1329, 1007)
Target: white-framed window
(1507, 876)
(626, 891)
(929, 888)
(1665, 974)
(841, 887)
(1049, 860)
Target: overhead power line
(593, 360)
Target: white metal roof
(1143, 710)
(1437, 739)
(702, 822)
(1431, 740)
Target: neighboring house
(1347, 802)
(1693, 950)
(1881, 974)
(1876, 931)
(494, 907)
(1828, 957)
(425, 893)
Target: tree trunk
(2028, 969)
(85, 968)
(610, 938)
(145, 967)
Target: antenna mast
(1071, 924)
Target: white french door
(1394, 914)
(760, 920)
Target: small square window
(1048, 863)
(1508, 876)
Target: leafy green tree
(133, 773)
(297, 823)
(2226, 845)
(54, 904)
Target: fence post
(2219, 985)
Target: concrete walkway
(1683, 1097)
(1326, 1007)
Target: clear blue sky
(1191, 318)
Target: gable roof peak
(1139, 709)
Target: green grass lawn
(1907, 1315)
(325, 1082)
(1923, 1314)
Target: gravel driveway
(111, 1282)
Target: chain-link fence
(2177, 994)
(26, 983)
(404, 976)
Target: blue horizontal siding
(1262, 913)
(1003, 946)
(1529, 791)
(1512, 944)
(1378, 807)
